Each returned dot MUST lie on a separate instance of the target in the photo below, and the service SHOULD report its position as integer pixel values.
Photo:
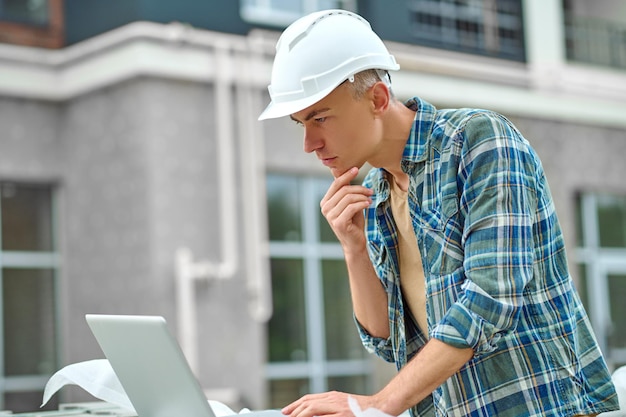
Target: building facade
(136, 179)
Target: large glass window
(28, 270)
(486, 27)
(281, 13)
(313, 343)
(601, 254)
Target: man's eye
(320, 119)
(299, 123)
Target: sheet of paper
(98, 379)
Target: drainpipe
(259, 286)
(189, 272)
(252, 174)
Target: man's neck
(400, 119)
(400, 178)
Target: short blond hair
(363, 81)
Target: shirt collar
(417, 143)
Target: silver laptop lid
(150, 365)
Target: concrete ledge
(565, 92)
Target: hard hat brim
(277, 109)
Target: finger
(288, 409)
(346, 209)
(341, 181)
(333, 198)
(345, 196)
(298, 407)
(312, 405)
(338, 173)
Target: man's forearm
(369, 299)
(431, 367)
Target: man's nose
(311, 142)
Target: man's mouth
(328, 161)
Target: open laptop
(152, 368)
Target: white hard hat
(318, 52)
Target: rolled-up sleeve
(379, 346)
(496, 183)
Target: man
(455, 257)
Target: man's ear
(380, 97)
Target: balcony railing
(596, 41)
(484, 27)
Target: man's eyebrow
(311, 115)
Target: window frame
(317, 369)
(599, 263)
(23, 259)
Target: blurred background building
(135, 178)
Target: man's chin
(335, 172)
(338, 172)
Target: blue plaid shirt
(496, 273)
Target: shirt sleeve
(496, 182)
(377, 345)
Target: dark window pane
(28, 11)
(617, 295)
(342, 338)
(580, 236)
(28, 401)
(283, 392)
(326, 233)
(28, 318)
(612, 221)
(26, 217)
(355, 384)
(287, 327)
(284, 208)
